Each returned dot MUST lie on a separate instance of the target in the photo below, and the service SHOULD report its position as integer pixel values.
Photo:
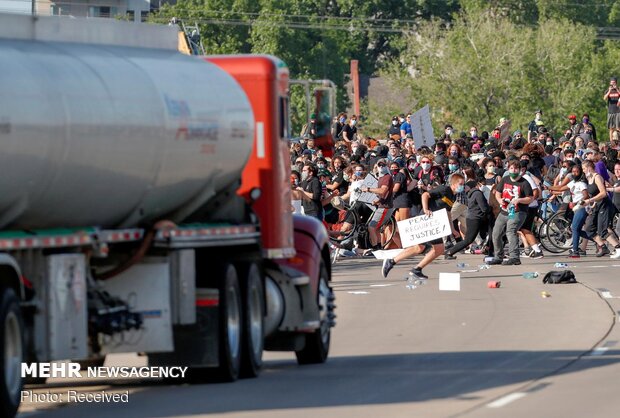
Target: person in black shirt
(612, 97)
(338, 126)
(338, 181)
(478, 211)
(514, 194)
(349, 131)
(311, 192)
(394, 129)
(441, 197)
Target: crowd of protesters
(494, 184)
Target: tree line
(473, 61)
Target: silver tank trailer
(111, 135)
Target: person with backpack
(477, 221)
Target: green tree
(481, 69)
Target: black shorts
(528, 224)
(402, 201)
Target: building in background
(132, 10)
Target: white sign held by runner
(422, 128)
(371, 182)
(424, 228)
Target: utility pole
(34, 7)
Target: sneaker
(582, 252)
(601, 251)
(536, 254)
(496, 261)
(526, 252)
(511, 262)
(449, 257)
(572, 254)
(388, 264)
(416, 273)
(616, 254)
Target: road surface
(477, 352)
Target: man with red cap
(573, 126)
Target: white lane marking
(597, 267)
(505, 400)
(382, 285)
(606, 295)
(599, 351)
(359, 292)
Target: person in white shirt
(531, 244)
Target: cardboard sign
(424, 228)
(367, 197)
(450, 282)
(504, 131)
(422, 128)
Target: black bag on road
(557, 277)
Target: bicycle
(351, 224)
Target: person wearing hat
(612, 96)
(572, 125)
(532, 129)
(518, 141)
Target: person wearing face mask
(349, 132)
(586, 129)
(394, 129)
(383, 203)
(513, 193)
(441, 197)
(311, 192)
(473, 133)
(477, 219)
(597, 227)
(576, 186)
(338, 126)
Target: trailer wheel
(253, 322)
(12, 349)
(231, 325)
(316, 348)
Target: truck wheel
(253, 322)
(316, 348)
(12, 349)
(231, 325)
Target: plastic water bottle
(561, 265)
(413, 283)
(484, 267)
(511, 211)
(530, 275)
(462, 265)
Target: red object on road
(493, 284)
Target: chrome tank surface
(113, 136)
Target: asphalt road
(477, 352)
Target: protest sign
(367, 197)
(424, 228)
(422, 128)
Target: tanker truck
(145, 207)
